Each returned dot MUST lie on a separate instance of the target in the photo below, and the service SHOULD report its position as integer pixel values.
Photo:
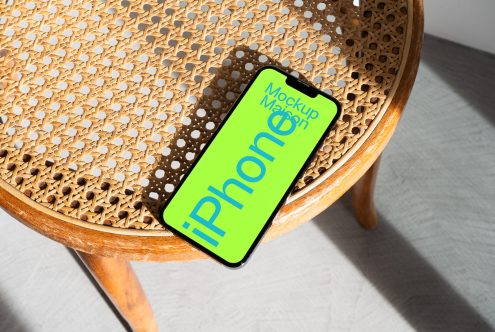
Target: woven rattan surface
(106, 103)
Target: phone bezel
(283, 198)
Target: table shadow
(10, 321)
(409, 282)
(418, 292)
(468, 71)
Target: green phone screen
(228, 198)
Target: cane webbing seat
(105, 104)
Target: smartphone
(233, 190)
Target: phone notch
(301, 86)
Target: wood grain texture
(363, 197)
(117, 278)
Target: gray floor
(429, 266)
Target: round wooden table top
(105, 104)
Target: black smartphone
(228, 198)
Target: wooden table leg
(362, 197)
(119, 282)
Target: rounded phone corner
(338, 106)
(161, 219)
(162, 222)
(237, 264)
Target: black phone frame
(304, 88)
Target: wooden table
(106, 104)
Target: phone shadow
(201, 122)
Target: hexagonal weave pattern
(105, 104)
